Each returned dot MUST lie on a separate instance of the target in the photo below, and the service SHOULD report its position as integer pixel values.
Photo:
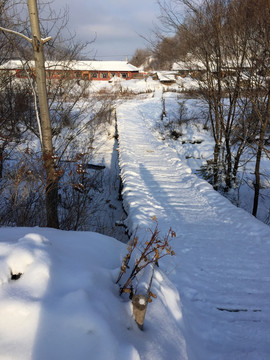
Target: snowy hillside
(58, 297)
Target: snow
(166, 76)
(121, 86)
(66, 305)
(212, 296)
(76, 65)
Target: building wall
(80, 75)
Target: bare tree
(219, 36)
(141, 57)
(51, 194)
(259, 84)
(73, 117)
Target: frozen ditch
(106, 210)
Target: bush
(148, 253)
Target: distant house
(196, 68)
(76, 69)
(189, 68)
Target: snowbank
(65, 305)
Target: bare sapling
(149, 254)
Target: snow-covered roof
(193, 64)
(76, 65)
(166, 76)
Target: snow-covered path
(221, 268)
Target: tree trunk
(257, 182)
(1, 161)
(216, 166)
(237, 161)
(264, 122)
(51, 194)
(228, 165)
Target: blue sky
(117, 24)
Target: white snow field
(212, 296)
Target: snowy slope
(66, 304)
(222, 268)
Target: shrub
(148, 253)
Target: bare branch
(17, 33)
(46, 39)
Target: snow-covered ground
(212, 296)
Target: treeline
(228, 41)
